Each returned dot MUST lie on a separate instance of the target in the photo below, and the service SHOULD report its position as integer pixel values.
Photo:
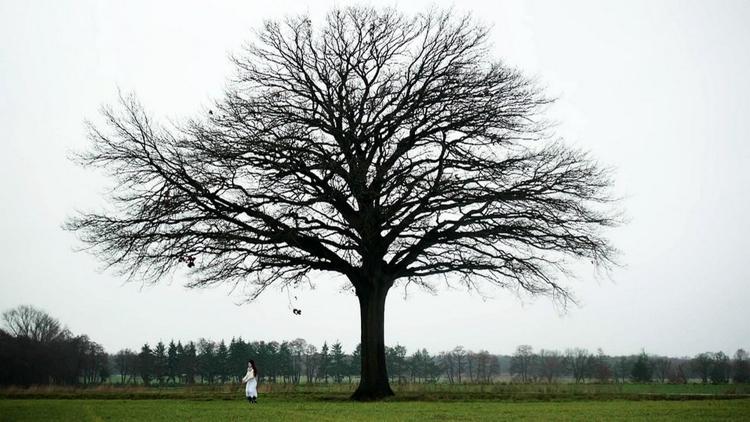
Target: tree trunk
(373, 384)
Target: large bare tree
(378, 146)
(34, 324)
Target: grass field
(412, 403)
(286, 410)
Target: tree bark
(373, 384)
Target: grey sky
(658, 90)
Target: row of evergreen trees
(295, 361)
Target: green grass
(272, 409)
(328, 402)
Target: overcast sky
(659, 90)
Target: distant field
(273, 409)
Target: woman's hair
(255, 368)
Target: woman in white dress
(251, 388)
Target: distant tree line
(36, 349)
(579, 365)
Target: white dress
(252, 383)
